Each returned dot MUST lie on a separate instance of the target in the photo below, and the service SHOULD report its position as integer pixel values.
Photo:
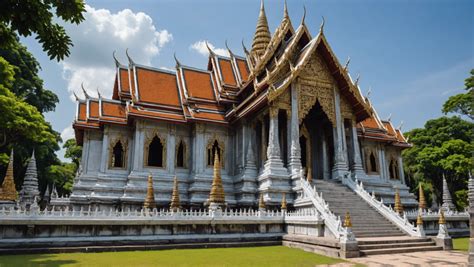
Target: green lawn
(253, 256)
(461, 243)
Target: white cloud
(200, 47)
(98, 36)
(67, 133)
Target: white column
(294, 133)
(273, 150)
(105, 150)
(400, 169)
(171, 149)
(138, 148)
(340, 162)
(357, 167)
(263, 152)
(382, 169)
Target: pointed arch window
(393, 169)
(181, 156)
(212, 148)
(371, 165)
(155, 151)
(117, 154)
(373, 162)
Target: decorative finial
(347, 220)
(130, 60)
(262, 35)
(210, 50)
(442, 219)
(304, 15)
(75, 96)
(217, 195)
(389, 118)
(400, 126)
(261, 202)
(421, 197)
(283, 198)
(84, 91)
(368, 93)
(228, 49)
(285, 10)
(419, 220)
(178, 64)
(117, 63)
(357, 80)
(398, 203)
(245, 48)
(346, 66)
(175, 203)
(150, 195)
(98, 93)
(321, 28)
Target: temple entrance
(316, 141)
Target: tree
(62, 176)
(37, 17)
(462, 103)
(27, 84)
(73, 151)
(444, 147)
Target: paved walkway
(429, 258)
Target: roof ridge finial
(356, 83)
(117, 63)
(304, 15)
(321, 28)
(98, 93)
(389, 118)
(245, 48)
(346, 66)
(400, 126)
(285, 10)
(228, 49)
(84, 91)
(75, 96)
(130, 60)
(178, 64)
(368, 92)
(211, 53)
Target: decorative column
(138, 148)
(382, 165)
(171, 149)
(326, 167)
(105, 150)
(263, 152)
(400, 169)
(295, 148)
(357, 166)
(340, 162)
(249, 176)
(273, 150)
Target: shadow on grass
(33, 260)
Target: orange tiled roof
(157, 87)
(243, 70)
(124, 81)
(227, 72)
(198, 84)
(93, 109)
(81, 110)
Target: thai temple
(277, 146)
(285, 109)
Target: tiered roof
(230, 88)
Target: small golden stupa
(347, 220)
(421, 201)
(217, 195)
(8, 191)
(175, 204)
(283, 201)
(398, 203)
(150, 195)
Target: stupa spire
(262, 35)
(175, 204)
(283, 198)
(398, 203)
(217, 195)
(150, 195)
(8, 190)
(29, 191)
(421, 199)
(447, 199)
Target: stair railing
(387, 212)
(331, 221)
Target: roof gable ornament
(356, 83)
(304, 15)
(321, 28)
(228, 49)
(84, 91)
(130, 60)
(389, 117)
(211, 53)
(178, 64)
(75, 96)
(98, 93)
(400, 126)
(117, 63)
(285, 11)
(367, 96)
(346, 66)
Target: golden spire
(347, 220)
(309, 176)
(150, 195)
(261, 203)
(217, 190)
(175, 205)
(262, 35)
(398, 203)
(283, 201)
(8, 190)
(421, 200)
(442, 219)
(419, 220)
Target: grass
(253, 256)
(461, 243)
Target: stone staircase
(377, 235)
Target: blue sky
(412, 54)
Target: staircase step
(398, 250)
(397, 245)
(373, 241)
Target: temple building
(284, 110)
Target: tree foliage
(443, 147)
(73, 151)
(462, 103)
(27, 17)
(27, 84)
